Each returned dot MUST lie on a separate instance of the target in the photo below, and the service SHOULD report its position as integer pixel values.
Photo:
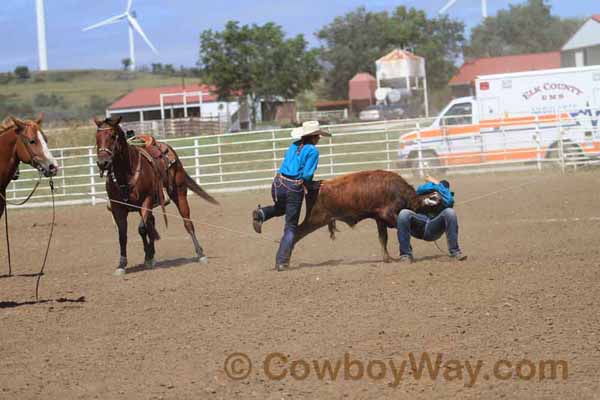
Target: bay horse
(23, 141)
(134, 184)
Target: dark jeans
(428, 229)
(288, 198)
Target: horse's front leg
(120, 217)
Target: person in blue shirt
(294, 176)
(430, 226)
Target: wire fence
(245, 161)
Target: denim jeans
(288, 197)
(428, 229)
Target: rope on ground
(483, 196)
(242, 234)
(37, 283)
(6, 204)
(274, 240)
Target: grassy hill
(72, 95)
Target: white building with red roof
(173, 102)
(583, 48)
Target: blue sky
(174, 25)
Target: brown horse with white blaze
(23, 141)
(134, 184)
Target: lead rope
(7, 238)
(37, 283)
(6, 203)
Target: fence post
(420, 150)
(220, 158)
(197, 160)
(274, 149)
(92, 177)
(62, 171)
(538, 139)
(345, 113)
(561, 143)
(387, 146)
(330, 153)
(14, 191)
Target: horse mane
(6, 124)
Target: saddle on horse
(162, 158)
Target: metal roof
(505, 64)
(542, 72)
(398, 54)
(587, 35)
(150, 97)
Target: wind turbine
(41, 35)
(449, 4)
(130, 16)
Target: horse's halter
(27, 142)
(111, 151)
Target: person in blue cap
(430, 225)
(294, 177)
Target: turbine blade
(108, 21)
(129, 2)
(447, 6)
(135, 25)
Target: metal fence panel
(248, 160)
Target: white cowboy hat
(308, 128)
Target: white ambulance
(513, 117)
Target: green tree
(157, 68)
(523, 28)
(22, 72)
(353, 42)
(169, 69)
(257, 61)
(126, 62)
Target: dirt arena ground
(529, 292)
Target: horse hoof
(150, 263)
(203, 260)
(119, 272)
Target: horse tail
(194, 187)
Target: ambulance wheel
(573, 153)
(430, 163)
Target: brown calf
(379, 195)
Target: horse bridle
(27, 143)
(110, 151)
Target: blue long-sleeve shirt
(300, 166)
(446, 194)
